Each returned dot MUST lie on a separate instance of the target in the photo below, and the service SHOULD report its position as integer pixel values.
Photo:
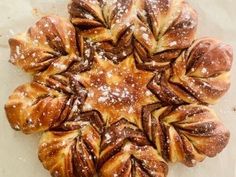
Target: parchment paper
(18, 152)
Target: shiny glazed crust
(131, 39)
(156, 31)
(186, 133)
(199, 75)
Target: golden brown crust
(49, 50)
(199, 75)
(73, 150)
(95, 110)
(160, 30)
(114, 90)
(48, 45)
(185, 133)
(125, 151)
(78, 150)
(168, 28)
(34, 107)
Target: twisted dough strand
(199, 75)
(125, 151)
(73, 149)
(186, 133)
(160, 30)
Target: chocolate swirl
(160, 30)
(185, 133)
(73, 149)
(48, 46)
(34, 107)
(199, 75)
(125, 151)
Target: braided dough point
(48, 46)
(73, 149)
(186, 133)
(125, 151)
(33, 107)
(199, 75)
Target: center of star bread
(117, 90)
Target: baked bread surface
(120, 89)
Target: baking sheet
(18, 152)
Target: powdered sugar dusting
(117, 90)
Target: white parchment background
(18, 152)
